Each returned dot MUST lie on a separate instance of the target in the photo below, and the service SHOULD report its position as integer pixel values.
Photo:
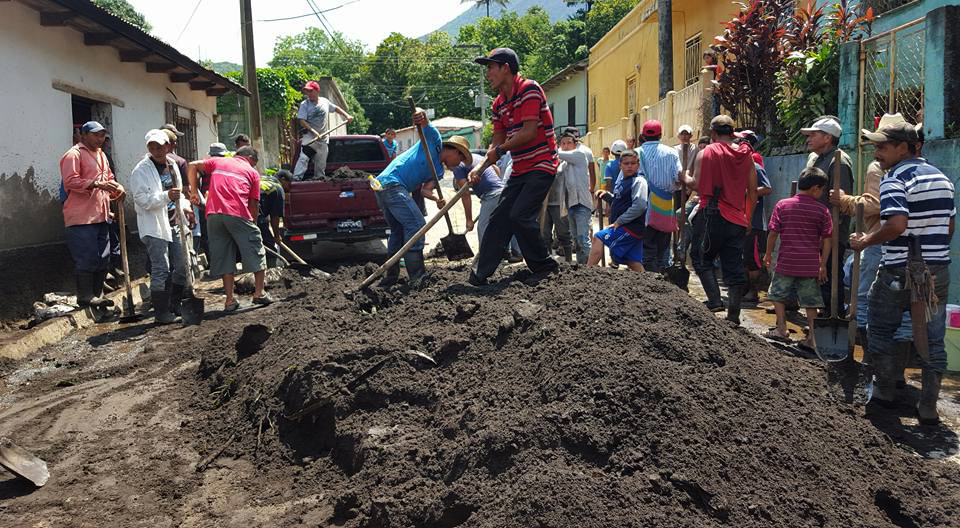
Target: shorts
(228, 235)
(623, 246)
(806, 290)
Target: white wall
(37, 118)
(576, 86)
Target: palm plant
(486, 3)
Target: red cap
(652, 128)
(312, 85)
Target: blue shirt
(758, 221)
(612, 170)
(391, 148)
(919, 191)
(488, 182)
(660, 164)
(410, 168)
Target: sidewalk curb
(25, 342)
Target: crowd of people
(536, 186)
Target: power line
(185, 26)
(308, 14)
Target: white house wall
(38, 118)
(558, 96)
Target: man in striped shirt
(522, 126)
(916, 207)
(661, 167)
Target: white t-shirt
(315, 114)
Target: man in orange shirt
(90, 186)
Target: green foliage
(487, 134)
(276, 95)
(810, 90)
(124, 11)
(603, 15)
(486, 3)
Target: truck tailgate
(321, 205)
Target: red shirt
(725, 170)
(233, 183)
(79, 167)
(803, 223)
(526, 103)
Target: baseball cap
(501, 56)
(652, 128)
(685, 128)
(721, 120)
(618, 147)
(91, 126)
(312, 85)
(173, 129)
(827, 125)
(892, 131)
(218, 150)
(157, 136)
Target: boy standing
(628, 209)
(804, 226)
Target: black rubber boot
(161, 307)
(929, 394)
(98, 300)
(416, 269)
(734, 300)
(903, 350)
(176, 298)
(708, 279)
(884, 386)
(84, 288)
(568, 253)
(390, 277)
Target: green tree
(486, 3)
(124, 11)
(318, 54)
(603, 15)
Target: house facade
(448, 127)
(567, 96)
(74, 62)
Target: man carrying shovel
(917, 214)
(404, 174)
(312, 116)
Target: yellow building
(623, 73)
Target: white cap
(618, 147)
(827, 125)
(157, 136)
(685, 128)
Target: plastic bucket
(953, 316)
(952, 344)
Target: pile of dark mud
(346, 173)
(595, 399)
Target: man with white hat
(156, 187)
(823, 140)
(686, 149)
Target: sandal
(232, 307)
(773, 334)
(264, 299)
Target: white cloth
(150, 201)
(576, 177)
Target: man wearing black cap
(522, 126)
(917, 211)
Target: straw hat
(462, 145)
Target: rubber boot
(390, 277)
(708, 279)
(734, 300)
(98, 300)
(929, 394)
(568, 253)
(161, 307)
(176, 298)
(416, 269)
(903, 350)
(84, 288)
(884, 388)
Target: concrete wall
(575, 86)
(38, 118)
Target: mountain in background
(223, 67)
(557, 9)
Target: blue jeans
(869, 265)
(164, 256)
(656, 249)
(581, 224)
(403, 216)
(889, 299)
(89, 245)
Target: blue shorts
(623, 246)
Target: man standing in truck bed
(522, 126)
(312, 116)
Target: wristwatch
(499, 150)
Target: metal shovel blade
(22, 463)
(831, 336)
(191, 310)
(456, 247)
(679, 275)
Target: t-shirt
(825, 163)
(391, 147)
(271, 199)
(724, 170)
(575, 183)
(410, 168)
(233, 183)
(315, 114)
(166, 183)
(803, 223)
(921, 192)
(660, 164)
(489, 181)
(527, 102)
(758, 221)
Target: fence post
(670, 118)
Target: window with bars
(185, 119)
(693, 61)
(631, 95)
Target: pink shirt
(803, 223)
(80, 167)
(233, 183)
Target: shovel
(831, 332)
(191, 310)
(678, 273)
(129, 312)
(22, 463)
(603, 250)
(298, 263)
(455, 246)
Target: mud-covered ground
(595, 398)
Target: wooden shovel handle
(433, 168)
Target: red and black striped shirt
(527, 102)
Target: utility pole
(250, 76)
(665, 45)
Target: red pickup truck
(339, 210)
